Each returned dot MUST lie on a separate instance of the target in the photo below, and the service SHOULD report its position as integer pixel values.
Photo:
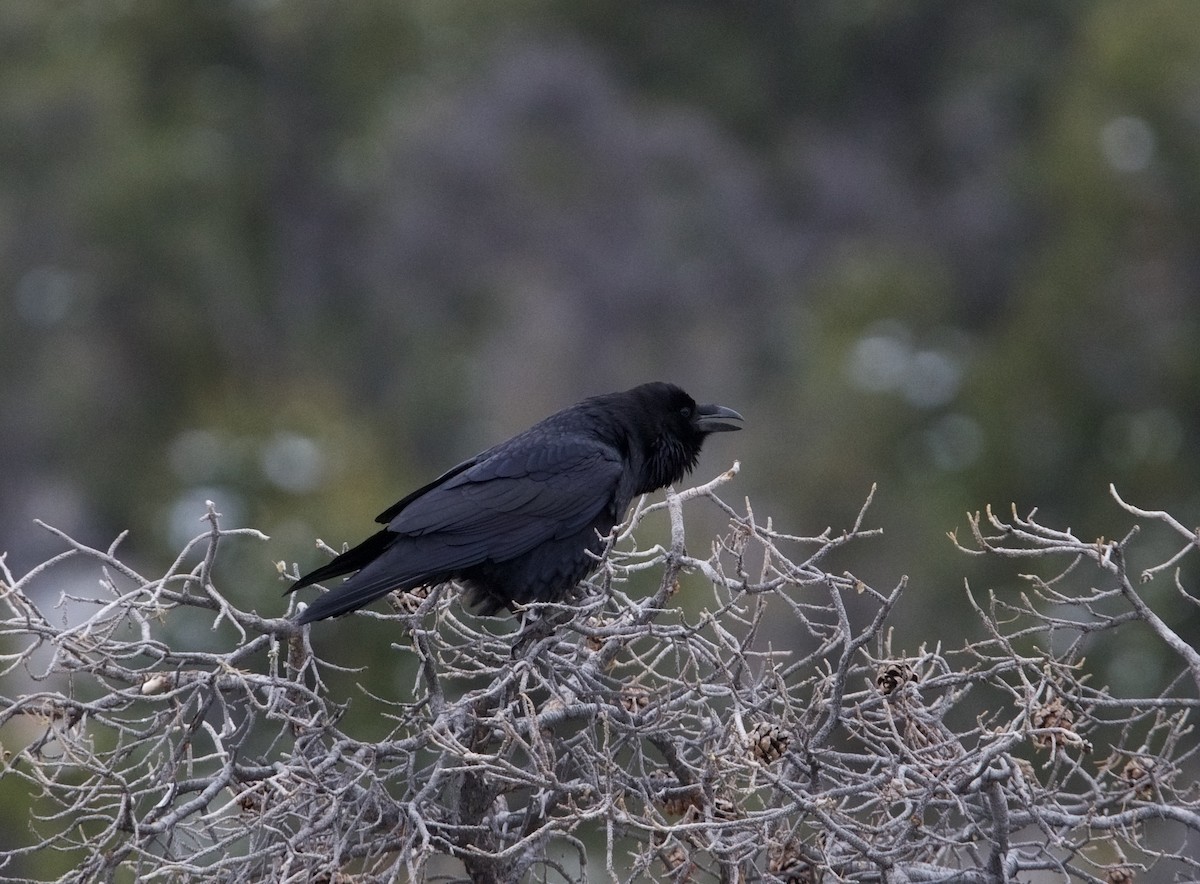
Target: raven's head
(673, 429)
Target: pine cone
(1053, 714)
(892, 675)
(767, 742)
(724, 809)
(595, 643)
(672, 798)
(634, 698)
(676, 859)
(1138, 774)
(676, 800)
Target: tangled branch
(766, 730)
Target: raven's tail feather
(350, 596)
(351, 560)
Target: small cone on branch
(672, 798)
(892, 675)
(1138, 775)
(595, 643)
(675, 858)
(634, 698)
(1053, 714)
(767, 741)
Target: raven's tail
(384, 562)
(359, 590)
(351, 560)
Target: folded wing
(493, 509)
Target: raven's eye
(686, 413)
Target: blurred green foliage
(300, 257)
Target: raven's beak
(716, 419)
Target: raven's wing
(498, 507)
(390, 513)
(504, 505)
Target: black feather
(517, 522)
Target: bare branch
(746, 720)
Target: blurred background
(300, 257)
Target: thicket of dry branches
(611, 737)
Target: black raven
(517, 522)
